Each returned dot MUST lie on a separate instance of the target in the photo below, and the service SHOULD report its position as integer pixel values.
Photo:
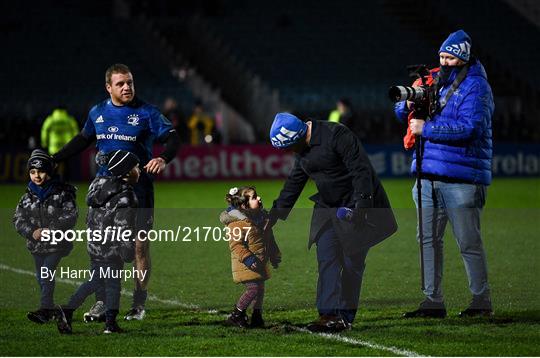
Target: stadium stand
(315, 54)
(263, 56)
(59, 53)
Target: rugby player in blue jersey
(125, 122)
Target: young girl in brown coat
(252, 249)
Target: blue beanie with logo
(458, 44)
(287, 130)
(39, 159)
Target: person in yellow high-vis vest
(58, 129)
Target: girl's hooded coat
(251, 241)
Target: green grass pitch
(192, 290)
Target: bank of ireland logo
(112, 129)
(133, 119)
(285, 137)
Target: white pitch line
(172, 302)
(358, 342)
(123, 292)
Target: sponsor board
(220, 162)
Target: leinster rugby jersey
(133, 127)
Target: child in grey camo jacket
(47, 205)
(112, 205)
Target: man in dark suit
(333, 157)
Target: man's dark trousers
(340, 277)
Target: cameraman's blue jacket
(458, 140)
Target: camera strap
(459, 78)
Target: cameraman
(456, 170)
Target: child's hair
(237, 197)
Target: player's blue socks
(139, 297)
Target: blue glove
(356, 216)
(250, 261)
(344, 213)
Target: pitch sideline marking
(335, 337)
(358, 342)
(123, 292)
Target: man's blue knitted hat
(287, 130)
(458, 44)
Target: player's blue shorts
(144, 190)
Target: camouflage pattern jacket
(57, 210)
(113, 205)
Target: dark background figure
(173, 112)
(346, 115)
(201, 125)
